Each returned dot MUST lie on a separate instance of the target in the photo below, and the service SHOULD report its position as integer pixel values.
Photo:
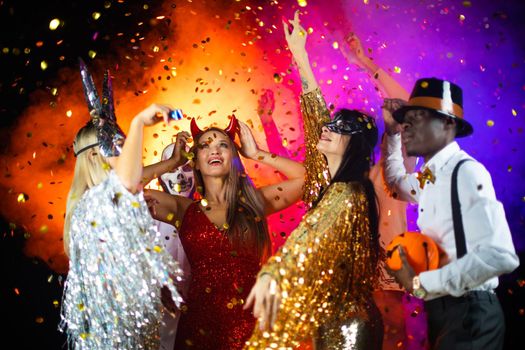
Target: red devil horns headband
(231, 130)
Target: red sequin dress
(212, 316)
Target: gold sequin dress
(327, 269)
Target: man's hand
(390, 105)
(405, 274)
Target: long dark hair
(356, 163)
(247, 225)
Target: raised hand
(295, 36)
(249, 148)
(179, 148)
(353, 50)
(154, 114)
(266, 105)
(390, 105)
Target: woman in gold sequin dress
(319, 285)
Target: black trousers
(470, 322)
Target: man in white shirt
(463, 310)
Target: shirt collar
(442, 157)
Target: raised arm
(296, 39)
(176, 160)
(314, 111)
(128, 166)
(283, 194)
(401, 183)
(273, 137)
(353, 51)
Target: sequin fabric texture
(315, 115)
(117, 268)
(221, 278)
(327, 269)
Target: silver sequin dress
(117, 268)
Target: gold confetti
(44, 229)
(188, 155)
(96, 15)
(135, 204)
(204, 202)
(81, 307)
(177, 188)
(56, 303)
(514, 113)
(157, 249)
(22, 197)
(43, 65)
(92, 54)
(302, 3)
(490, 123)
(335, 45)
(397, 69)
(225, 226)
(69, 113)
(55, 22)
(39, 319)
(170, 216)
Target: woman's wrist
(265, 275)
(258, 155)
(368, 64)
(138, 121)
(301, 58)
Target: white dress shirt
(392, 213)
(490, 251)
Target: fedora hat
(441, 96)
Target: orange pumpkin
(421, 251)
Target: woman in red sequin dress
(224, 235)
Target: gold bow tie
(424, 176)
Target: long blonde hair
(91, 169)
(247, 225)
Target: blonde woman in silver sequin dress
(112, 295)
(319, 285)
